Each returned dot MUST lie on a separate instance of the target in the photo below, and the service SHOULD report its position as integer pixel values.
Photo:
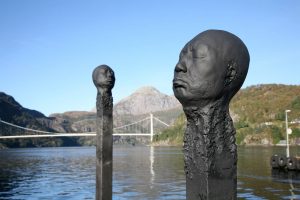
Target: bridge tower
(151, 127)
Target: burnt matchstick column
(104, 80)
(211, 69)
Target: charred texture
(211, 69)
(210, 153)
(103, 78)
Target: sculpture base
(210, 187)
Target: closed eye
(199, 56)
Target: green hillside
(259, 116)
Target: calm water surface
(139, 173)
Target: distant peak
(147, 89)
(145, 100)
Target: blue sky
(49, 48)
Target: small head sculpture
(103, 78)
(212, 65)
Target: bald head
(103, 78)
(212, 65)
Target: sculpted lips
(179, 83)
(109, 82)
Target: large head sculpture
(212, 65)
(103, 78)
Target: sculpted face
(205, 71)
(103, 77)
(197, 74)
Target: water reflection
(151, 173)
(256, 180)
(151, 165)
(139, 173)
(46, 173)
(290, 177)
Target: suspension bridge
(144, 127)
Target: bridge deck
(43, 134)
(71, 135)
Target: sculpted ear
(231, 72)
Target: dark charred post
(211, 69)
(104, 79)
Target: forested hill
(258, 113)
(266, 103)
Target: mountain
(261, 113)
(145, 100)
(79, 121)
(135, 107)
(13, 112)
(258, 113)
(259, 116)
(266, 103)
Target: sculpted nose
(180, 67)
(109, 74)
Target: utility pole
(287, 134)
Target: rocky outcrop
(77, 121)
(258, 139)
(13, 112)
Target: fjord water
(140, 172)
